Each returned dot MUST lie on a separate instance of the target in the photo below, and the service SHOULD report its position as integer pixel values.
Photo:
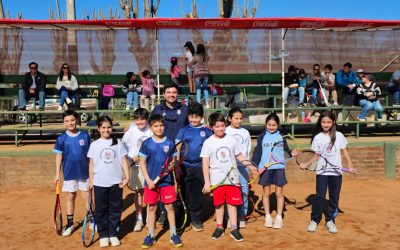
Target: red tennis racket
(57, 210)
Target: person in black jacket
(33, 85)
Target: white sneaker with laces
(331, 227)
(268, 221)
(104, 242)
(312, 227)
(278, 223)
(115, 241)
(68, 231)
(242, 224)
(68, 101)
(138, 226)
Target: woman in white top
(189, 69)
(67, 86)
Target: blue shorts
(275, 177)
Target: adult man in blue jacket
(346, 81)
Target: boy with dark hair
(133, 139)
(153, 154)
(71, 150)
(194, 135)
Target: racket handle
(157, 179)
(58, 187)
(261, 171)
(345, 170)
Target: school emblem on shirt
(178, 112)
(223, 155)
(166, 149)
(107, 155)
(164, 114)
(82, 142)
(202, 133)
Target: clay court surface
(370, 220)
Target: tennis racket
(248, 164)
(89, 224)
(317, 162)
(323, 94)
(227, 180)
(180, 209)
(279, 154)
(171, 163)
(133, 165)
(57, 210)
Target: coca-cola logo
(168, 23)
(118, 23)
(360, 25)
(312, 25)
(212, 23)
(265, 24)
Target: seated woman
(292, 86)
(394, 87)
(67, 86)
(368, 93)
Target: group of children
(214, 158)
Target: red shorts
(165, 194)
(232, 195)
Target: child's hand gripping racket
(280, 152)
(89, 224)
(57, 210)
(311, 160)
(172, 162)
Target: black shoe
(302, 105)
(218, 233)
(197, 226)
(163, 218)
(235, 234)
(22, 109)
(41, 109)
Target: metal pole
(158, 66)
(283, 74)
(270, 52)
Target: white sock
(139, 217)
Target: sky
(353, 9)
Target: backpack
(108, 90)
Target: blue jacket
(343, 79)
(174, 118)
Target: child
(219, 154)
(194, 135)
(175, 70)
(130, 88)
(243, 140)
(189, 53)
(137, 133)
(108, 173)
(275, 175)
(71, 149)
(153, 153)
(329, 143)
(147, 89)
(330, 83)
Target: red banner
(212, 23)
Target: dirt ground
(370, 220)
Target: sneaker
(242, 224)
(148, 242)
(235, 234)
(207, 106)
(278, 223)
(114, 241)
(138, 226)
(128, 107)
(22, 109)
(176, 240)
(41, 109)
(60, 108)
(268, 221)
(163, 218)
(197, 226)
(361, 119)
(380, 119)
(396, 104)
(104, 242)
(331, 227)
(335, 104)
(218, 233)
(68, 231)
(68, 101)
(312, 227)
(301, 105)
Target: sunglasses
(33, 67)
(65, 67)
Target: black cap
(292, 68)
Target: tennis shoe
(218, 233)
(242, 224)
(278, 223)
(197, 226)
(148, 242)
(331, 227)
(236, 235)
(312, 227)
(114, 241)
(104, 242)
(68, 231)
(176, 240)
(138, 226)
(268, 221)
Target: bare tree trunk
(1, 9)
(72, 48)
(225, 8)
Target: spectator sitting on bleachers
(345, 85)
(292, 86)
(368, 93)
(359, 76)
(330, 83)
(316, 79)
(67, 86)
(131, 89)
(33, 85)
(394, 87)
